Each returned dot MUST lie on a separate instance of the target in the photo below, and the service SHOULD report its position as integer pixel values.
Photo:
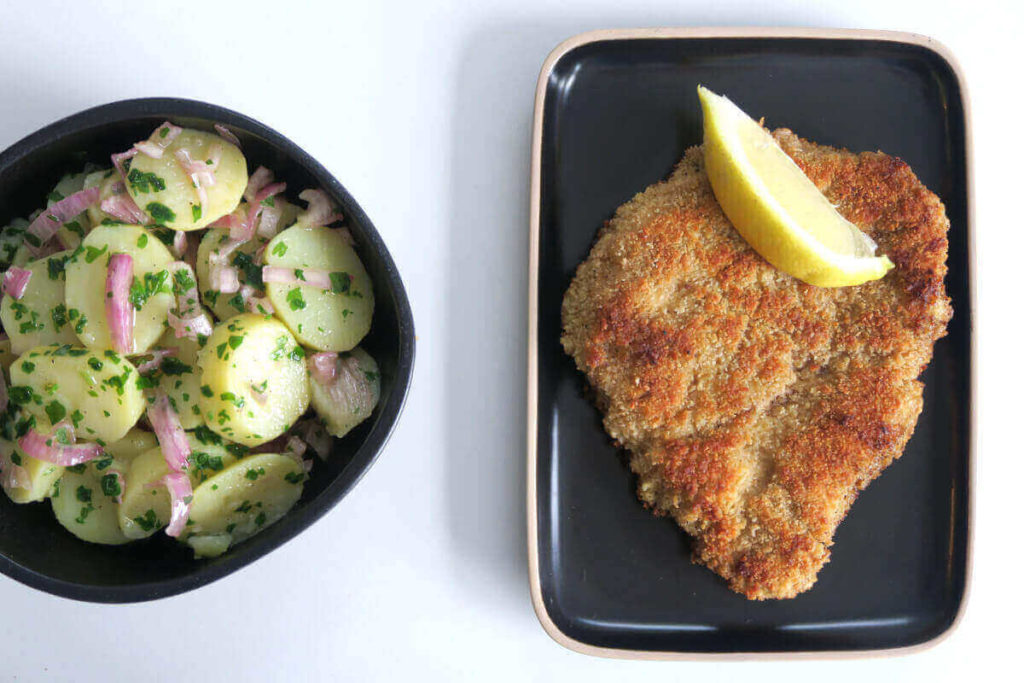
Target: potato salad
(179, 338)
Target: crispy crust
(755, 407)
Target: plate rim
(532, 360)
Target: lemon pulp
(776, 208)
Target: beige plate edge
(532, 302)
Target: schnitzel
(755, 407)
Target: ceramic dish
(34, 549)
(615, 111)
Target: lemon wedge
(777, 208)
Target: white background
(423, 110)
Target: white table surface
(423, 110)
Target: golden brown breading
(755, 407)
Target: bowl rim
(389, 412)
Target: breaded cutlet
(755, 407)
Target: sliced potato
(87, 276)
(324, 320)
(39, 475)
(340, 416)
(12, 239)
(6, 355)
(132, 445)
(85, 502)
(178, 376)
(146, 506)
(254, 381)
(40, 315)
(245, 498)
(106, 180)
(225, 305)
(97, 391)
(162, 189)
(209, 546)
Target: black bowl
(34, 548)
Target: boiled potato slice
(6, 355)
(324, 320)
(71, 233)
(106, 180)
(85, 502)
(244, 499)
(41, 475)
(12, 239)
(254, 381)
(146, 509)
(162, 189)
(226, 305)
(125, 450)
(341, 416)
(178, 376)
(97, 391)
(40, 315)
(86, 271)
(210, 546)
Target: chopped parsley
(341, 282)
(152, 283)
(295, 300)
(145, 182)
(280, 249)
(160, 212)
(56, 411)
(148, 522)
(110, 485)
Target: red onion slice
(121, 206)
(323, 366)
(256, 206)
(120, 312)
(259, 179)
(46, 224)
(48, 447)
(180, 488)
(193, 327)
(201, 172)
(169, 432)
(160, 140)
(16, 281)
(189, 319)
(15, 477)
(270, 219)
(311, 277)
(180, 244)
(315, 434)
(224, 279)
(223, 131)
(121, 164)
(320, 210)
(294, 449)
(154, 358)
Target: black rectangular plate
(617, 114)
